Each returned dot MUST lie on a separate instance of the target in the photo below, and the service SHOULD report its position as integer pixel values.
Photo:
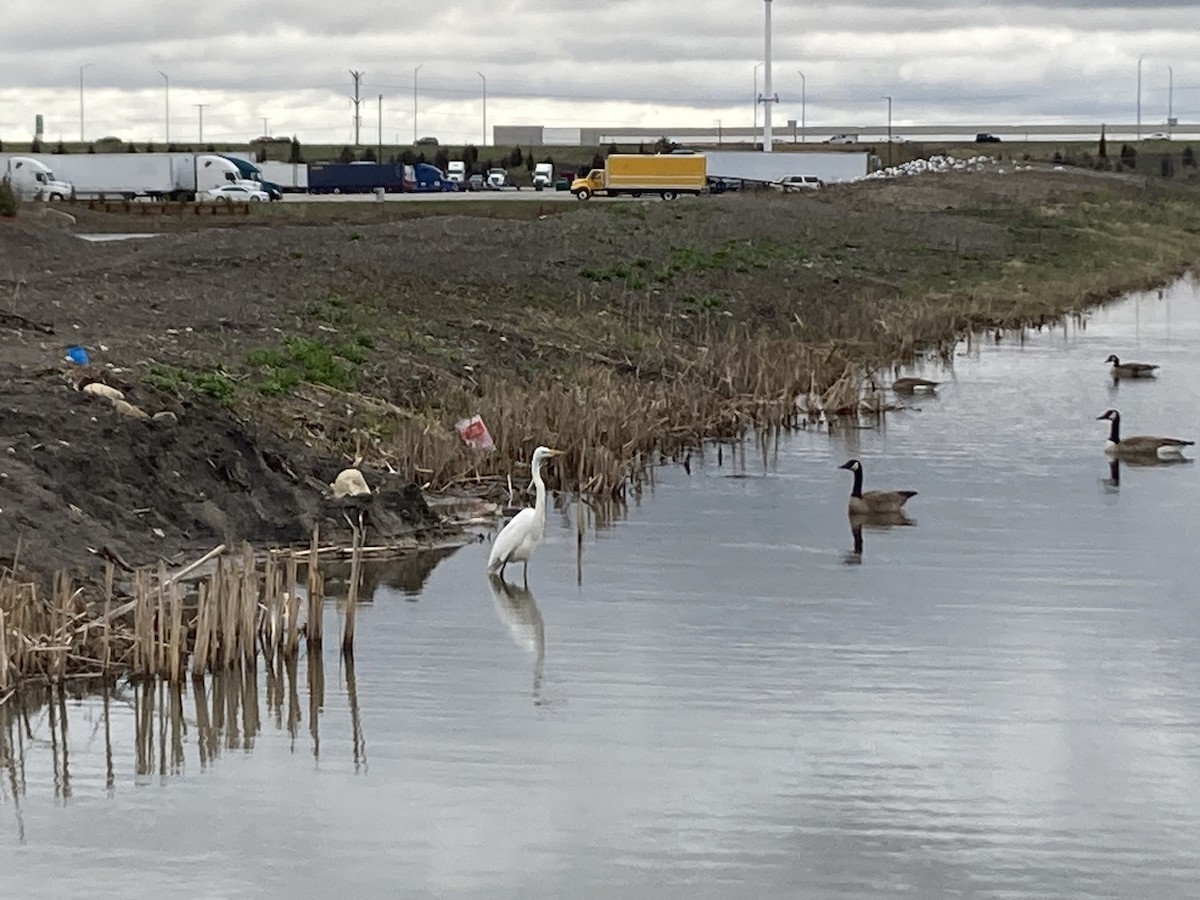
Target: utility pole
(415, 71)
(768, 97)
(1139, 97)
(889, 102)
(357, 76)
(81, 68)
(167, 112)
(266, 127)
(200, 107)
(803, 108)
(484, 77)
(379, 156)
(1170, 100)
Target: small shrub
(8, 199)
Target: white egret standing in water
(517, 540)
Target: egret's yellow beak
(554, 452)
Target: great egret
(517, 540)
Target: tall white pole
(167, 105)
(803, 109)
(754, 103)
(81, 68)
(1170, 97)
(415, 71)
(768, 97)
(484, 77)
(1139, 97)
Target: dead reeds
(165, 626)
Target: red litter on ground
(475, 434)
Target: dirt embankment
(81, 481)
(283, 348)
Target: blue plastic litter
(77, 354)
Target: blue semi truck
(366, 177)
(250, 172)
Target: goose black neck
(1114, 430)
(856, 491)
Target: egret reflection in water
(519, 612)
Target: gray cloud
(624, 63)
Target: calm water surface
(1000, 700)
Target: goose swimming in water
(1130, 369)
(872, 502)
(1139, 444)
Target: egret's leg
(526, 572)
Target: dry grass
(161, 626)
(703, 336)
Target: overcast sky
(572, 63)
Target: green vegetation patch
(212, 384)
(298, 360)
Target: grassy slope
(623, 329)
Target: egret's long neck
(539, 505)
(856, 491)
(1114, 430)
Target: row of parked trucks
(188, 176)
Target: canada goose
(909, 385)
(1140, 444)
(872, 502)
(1130, 369)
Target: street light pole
(415, 71)
(1139, 97)
(167, 104)
(889, 102)
(768, 96)
(484, 79)
(803, 110)
(266, 127)
(81, 68)
(719, 136)
(1170, 98)
(754, 130)
(200, 108)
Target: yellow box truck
(665, 174)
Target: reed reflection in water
(42, 729)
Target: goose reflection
(519, 612)
(884, 521)
(1113, 481)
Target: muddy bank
(81, 482)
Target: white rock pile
(934, 165)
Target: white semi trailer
(175, 176)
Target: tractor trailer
(178, 176)
(665, 174)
